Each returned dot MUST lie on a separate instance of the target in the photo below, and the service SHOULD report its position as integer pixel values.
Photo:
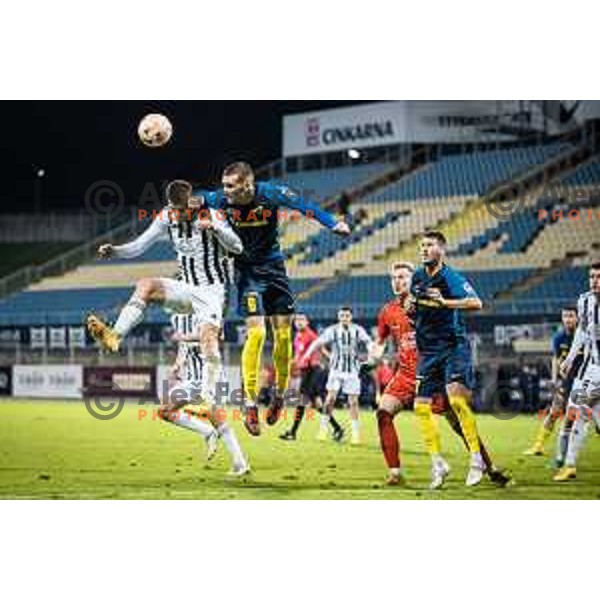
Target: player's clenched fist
(105, 251)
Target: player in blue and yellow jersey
(254, 209)
(445, 362)
(561, 344)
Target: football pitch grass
(53, 449)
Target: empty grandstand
(525, 267)
(448, 194)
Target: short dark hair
(436, 235)
(569, 308)
(178, 191)
(346, 308)
(595, 266)
(243, 169)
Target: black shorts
(312, 383)
(264, 290)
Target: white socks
(231, 443)
(355, 428)
(562, 442)
(577, 438)
(324, 422)
(205, 429)
(476, 460)
(190, 421)
(131, 315)
(437, 461)
(211, 373)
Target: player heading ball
(262, 281)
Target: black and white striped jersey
(188, 324)
(203, 255)
(587, 334)
(345, 343)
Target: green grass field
(52, 449)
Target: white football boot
(439, 472)
(476, 471)
(239, 470)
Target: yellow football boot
(566, 474)
(103, 334)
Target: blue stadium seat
(62, 307)
(586, 174)
(519, 231)
(325, 245)
(321, 184)
(466, 174)
(368, 293)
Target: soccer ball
(155, 130)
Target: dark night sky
(79, 142)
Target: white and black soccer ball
(155, 130)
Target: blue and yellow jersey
(438, 327)
(561, 344)
(257, 223)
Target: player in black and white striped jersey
(345, 339)
(186, 386)
(584, 400)
(203, 241)
(189, 358)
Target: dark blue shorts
(435, 370)
(264, 290)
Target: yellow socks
(282, 356)
(429, 427)
(542, 435)
(251, 358)
(465, 415)
(252, 354)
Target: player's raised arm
(283, 195)
(155, 232)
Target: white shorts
(186, 391)
(347, 383)
(586, 389)
(206, 302)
